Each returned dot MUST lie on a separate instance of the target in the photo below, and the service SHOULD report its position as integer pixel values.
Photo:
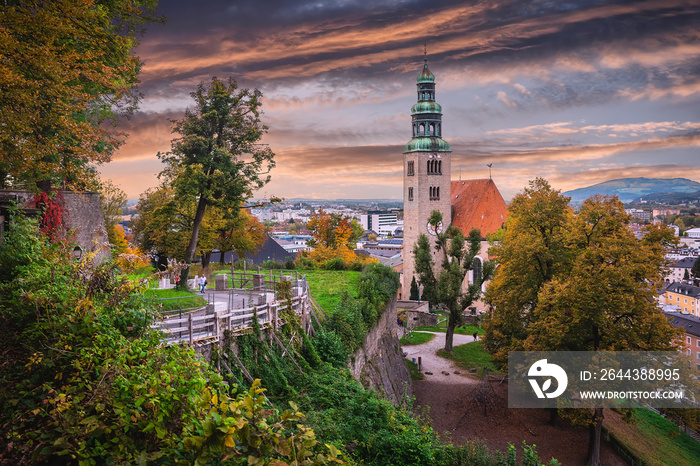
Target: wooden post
(189, 319)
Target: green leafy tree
(163, 225)
(415, 292)
(218, 159)
(448, 288)
(530, 251)
(598, 292)
(425, 270)
(242, 233)
(695, 270)
(67, 69)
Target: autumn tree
(113, 200)
(530, 251)
(448, 287)
(242, 234)
(334, 239)
(218, 158)
(333, 230)
(582, 283)
(67, 70)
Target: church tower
(426, 175)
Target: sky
(575, 91)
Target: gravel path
(431, 362)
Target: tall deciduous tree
(448, 288)
(333, 230)
(529, 253)
(594, 292)
(218, 158)
(67, 66)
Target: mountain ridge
(629, 189)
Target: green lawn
(327, 286)
(416, 338)
(184, 299)
(655, 440)
(471, 355)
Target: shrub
(330, 347)
(271, 265)
(336, 263)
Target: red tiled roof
(477, 204)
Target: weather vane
(489, 165)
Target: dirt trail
(447, 399)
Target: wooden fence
(257, 296)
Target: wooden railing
(221, 314)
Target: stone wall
(380, 363)
(86, 220)
(83, 217)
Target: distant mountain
(629, 189)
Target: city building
(644, 215)
(693, 233)
(427, 184)
(686, 297)
(382, 222)
(679, 268)
(691, 337)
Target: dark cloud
(339, 76)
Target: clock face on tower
(435, 230)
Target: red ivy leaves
(52, 214)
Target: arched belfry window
(439, 170)
(422, 129)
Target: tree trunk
(594, 441)
(206, 259)
(192, 246)
(449, 334)
(553, 416)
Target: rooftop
(477, 204)
(689, 323)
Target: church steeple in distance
(426, 116)
(426, 177)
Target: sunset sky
(578, 92)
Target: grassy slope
(327, 286)
(653, 439)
